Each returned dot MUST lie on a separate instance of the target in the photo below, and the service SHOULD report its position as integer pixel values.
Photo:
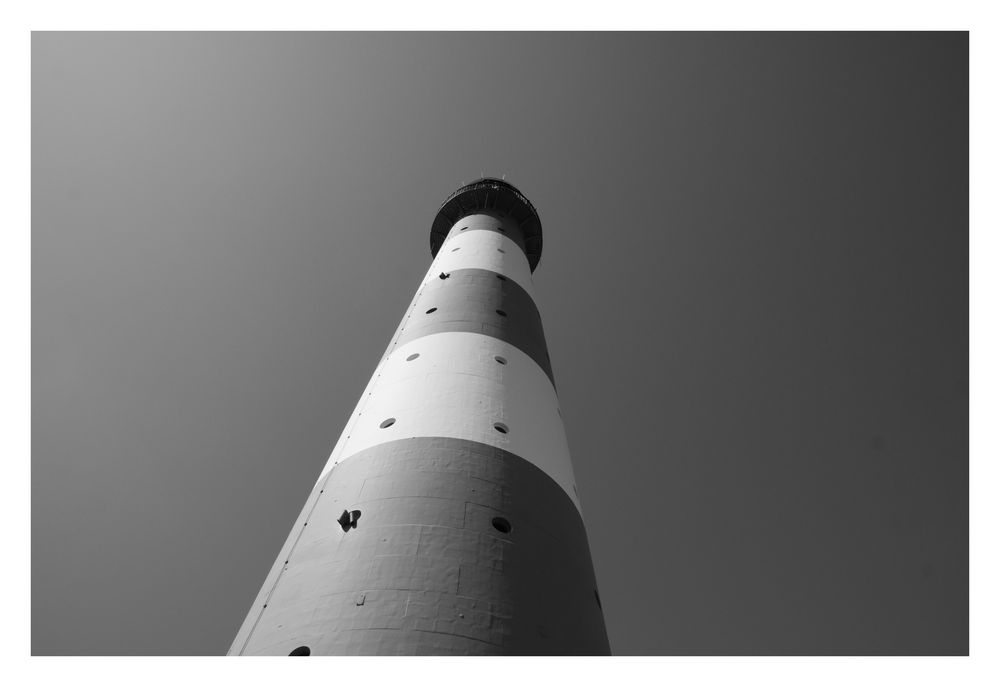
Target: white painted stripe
(456, 388)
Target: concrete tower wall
(446, 520)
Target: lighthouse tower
(447, 519)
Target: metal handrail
(491, 183)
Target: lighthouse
(447, 519)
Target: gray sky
(754, 289)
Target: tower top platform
(491, 196)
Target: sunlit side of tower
(447, 519)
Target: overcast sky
(753, 286)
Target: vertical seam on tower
(347, 430)
(281, 571)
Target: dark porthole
(412, 357)
(455, 249)
(501, 525)
(501, 277)
(501, 250)
(387, 423)
(501, 427)
(300, 651)
(463, 228)
(501, 313)
(500, 359)
(430, 311)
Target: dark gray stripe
(468, 300)
(425, 571)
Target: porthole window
(412, 357)
(431, 310)
(500, 427)
(500, 359)
(455, 249)
(300, 651)
(501, 250)
(387, 423)
(501, 230)
(501, 525)
(501, 277)
(501, 313)
(463, 228)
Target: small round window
(387, 423)
(412, 357)
(430, 311)
(502, 525)
(501, 427)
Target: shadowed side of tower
(446, 520)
